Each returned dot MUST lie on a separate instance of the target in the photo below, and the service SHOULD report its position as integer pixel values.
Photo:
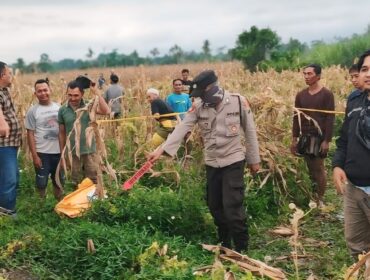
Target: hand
(340, 180)
(192, 108)
(324, 148)
(254, 168)
(293, 148)
(4, 129)
(153, 156)
(37, 162)
(94, 89)
(65, 164)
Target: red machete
(130, 182)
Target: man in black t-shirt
(166, 124)
(351, 169)
(185, 80)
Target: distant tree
(222, 54)
(112, 58)
(134, 57)
(177, 53)
(20, 64)
(154, 52)
(44, 64)
(206, 49)
(254, 46)
(90, 53)
(32, 67)
(294, 45)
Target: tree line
(257, 49)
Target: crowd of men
(222, 117)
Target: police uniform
(225, 157)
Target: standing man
(185, 79)
(42, 135)
(10, 140)
(315, 97)
(87, 161)
(178, 100)
(113, 96)
(101, 81)
(351, 173)
(221, 117)
(166, 124)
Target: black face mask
(213, 96)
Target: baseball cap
(201, 81)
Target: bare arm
(62, 136)
(32, 145)
(103, 107)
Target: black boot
(224, 237)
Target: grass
(124, 226)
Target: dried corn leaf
(283, 231)
(245, 263)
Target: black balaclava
(213, 96)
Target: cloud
(69, 28)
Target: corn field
(133, 224)
(271, 95)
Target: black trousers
(225, 195)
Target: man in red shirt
(314, 128)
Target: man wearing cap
(10, 140)
(66, 117)
(221, 117)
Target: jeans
(9, 177)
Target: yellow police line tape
(139, 118)
(176, 114)
(320, 111)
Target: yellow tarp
(74, 204)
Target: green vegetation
(344, 52)
(129, 229)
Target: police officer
(221, 117)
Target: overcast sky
(66, 29)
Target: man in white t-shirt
(42, 135)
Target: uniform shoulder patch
(242, 99)
(246, 104)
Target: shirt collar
(82, 104)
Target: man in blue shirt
(178, 101)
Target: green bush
(157, 209)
